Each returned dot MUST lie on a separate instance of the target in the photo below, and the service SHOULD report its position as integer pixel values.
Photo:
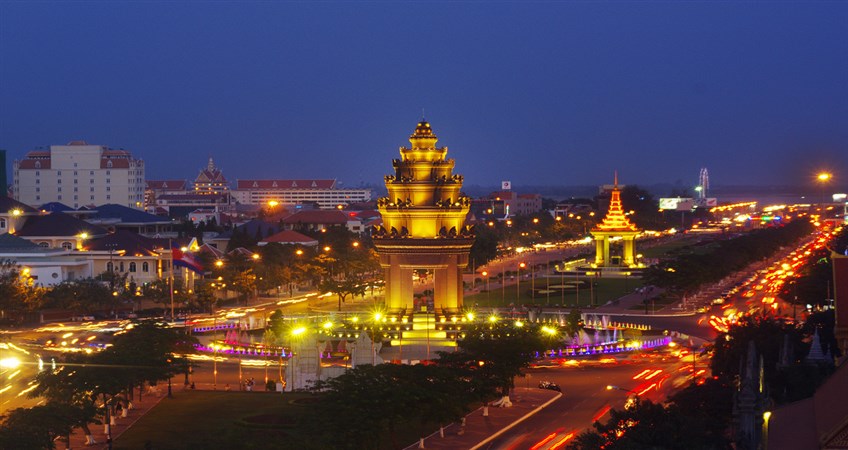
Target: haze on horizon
(536, 93)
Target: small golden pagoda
(423, 224)
(615, 224)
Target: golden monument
(615, 224)
(423, 224)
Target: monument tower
(423, 224)
(615, 224)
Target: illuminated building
(423, 224)
(211, 181)
(287, 193)
(79, 174)
(615, 224)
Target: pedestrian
(227, 387)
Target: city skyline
(540, 94)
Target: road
(586, 398)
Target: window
(59, 197)
(75, 189)
(132, 267)
(44, 244)
(91, 172)
(67, 245)
(38, 197)
(91, 181)
(59, 189)
(37, 173)
(75, 172)
(121, 265)
(76, 197)
(75, 164)
(37, 181)
(108, 164)
(60, 181)
(108, 197)
(38, 189)
(145, 267)
(109, 266)
(2, 222)
(75, 181)
(59, 173)
(108, 180)
(92, 198)
(91, 189)
(108, 188)
(38, 165)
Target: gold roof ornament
(615, 219)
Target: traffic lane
(586, 398)
(16, 382)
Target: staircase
(425, 326)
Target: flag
(185, 259)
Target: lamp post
(216, 347)
(521, 265)
(823, 178)
(486, 276)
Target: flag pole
(171, 248)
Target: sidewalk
(140, 407)
(480, 430)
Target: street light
(216, 347)
(488, 294)
(521, 265)
(823, 178)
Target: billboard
(840, 288)
(677, 204)
(506, 185)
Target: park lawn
(209, 419)
(607, 289)
(214, 420)
(669, 248)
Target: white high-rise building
(79, 174)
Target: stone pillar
(628, 250)
(441, 287)
(599, 250)
(606, 252)
(406, 289)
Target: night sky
(546, 93)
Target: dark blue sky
(537, 93)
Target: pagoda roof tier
(615, 219)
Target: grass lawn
(606, 290)
(217, 420)
(669, 248)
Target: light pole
(216, 347)
(486, 276)
(294, 334)
(518, 284)
(823, 178)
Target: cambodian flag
(186, 259)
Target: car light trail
(544, 441)
(642, 392)
(641, 374)
(656, 372)
(562, 441)
(601, 413)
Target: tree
(84, 295)
(17, 290)
(37, 427)
(493, 355)
(343, 288)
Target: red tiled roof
(34, 164)
(38, 154)
(285, 184)
(291, 237)
(117, 163)
(329, 217)
(179, 185)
